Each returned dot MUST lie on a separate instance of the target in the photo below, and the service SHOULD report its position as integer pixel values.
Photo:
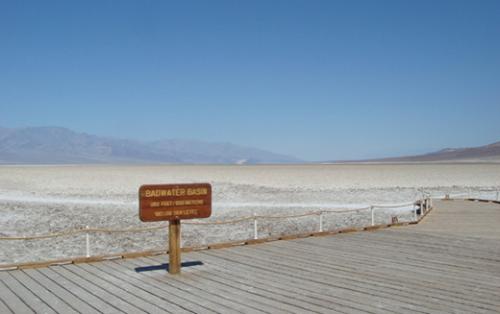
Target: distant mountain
(486, 153)
(56, 145)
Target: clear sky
(319, 80)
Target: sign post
(174, 250)
(174, 202)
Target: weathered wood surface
(449, 263)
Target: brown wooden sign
(175, 201)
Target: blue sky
(319, 80)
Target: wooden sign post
(174, 202)
(174, 246)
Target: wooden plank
(60, 292)
(166, 293)
(337, 293)
(360, 244)
(209, 298)
(382, 252)
(393, 292)
(73, 287)
(4, 308)
(390, 266)
(379, 279)
(311, 281)
(432, 241)
(118, 289)
(25, 294)
(118, 301)
(387, 271)
(260, 293)
(249, 300)
(410, 259)
(12, 301)
(274, 284)
(59, 303)
(154, 302)
(461, 261)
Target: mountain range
(486, 153)
(56, 145)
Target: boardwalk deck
(448, 263)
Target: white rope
(88, 230)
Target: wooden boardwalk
(449, 263)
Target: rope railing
(393, 206)
(493, 191)
(494, 194)
(234, 221)
(88, 230)
(45, 236)
(81, 230)
(418, 209)
(254, 217)
(223, 222)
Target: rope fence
(482, 194)
(418, 208)
(255, 217)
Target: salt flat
(41, 199)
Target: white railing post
(87, 242)
(373, 215)
(255, 235)
(320, 221)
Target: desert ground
(45, 199)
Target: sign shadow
(165, 266)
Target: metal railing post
(87, 242)
(320, 221)
(373, 215)
(255, 235)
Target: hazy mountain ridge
(53, 145)
(490, 152)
